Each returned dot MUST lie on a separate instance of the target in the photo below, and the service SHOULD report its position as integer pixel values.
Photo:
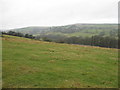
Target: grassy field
(76, 34)
(37, 64)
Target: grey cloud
(21, 13)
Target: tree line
(97, 40)
(19, 34)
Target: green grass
(37, 64)
(82, 33)
(76, 34)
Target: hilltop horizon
(55, 25)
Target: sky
(24, 13)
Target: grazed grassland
(37, 64)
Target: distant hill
(32, 30)
(73, 30)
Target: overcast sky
(23, 13)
